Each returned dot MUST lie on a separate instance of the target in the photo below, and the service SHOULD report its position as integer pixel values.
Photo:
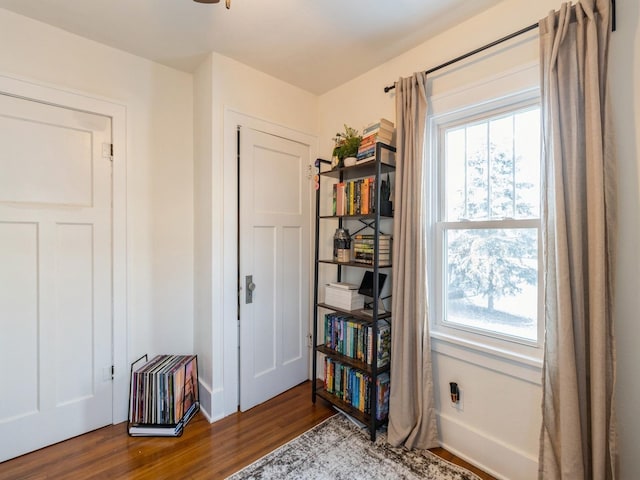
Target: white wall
(499, 425)
(234, 87)
(203, 248)
(159, 152)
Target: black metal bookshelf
(382, 164)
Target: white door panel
(19, 260)
(264, 308)
(274, 250)
(55, 252)
(294, 315)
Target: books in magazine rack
(163, 395)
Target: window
(487, 219)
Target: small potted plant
(345, 145)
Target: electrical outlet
(459, 405)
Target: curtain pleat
(578, 435)
(412, 418)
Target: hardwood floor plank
(204, 452)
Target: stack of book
(364, 249)
(344, 296)
(163, 395)
(381, 131)
(354, 338)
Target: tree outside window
(490, 224)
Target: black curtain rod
(473, 52)
(499, 41)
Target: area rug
(337, 449)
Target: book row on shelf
(354, 387)
(355, 197)
(163, 394)
(364, 249)
(354, 338)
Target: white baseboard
(486, 452)
(211, 402)
(204, 394)
(206, 413)
(217, 405)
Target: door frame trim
(77, 100)
(223, 288)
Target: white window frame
(511, 348)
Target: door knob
(250, 287)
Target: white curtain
(578, 435)
(412, 419)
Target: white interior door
(55, 274)
(274, 251)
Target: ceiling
(313, 44)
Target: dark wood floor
(205, 451)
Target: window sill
(524, 367)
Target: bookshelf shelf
(362, 384)
(345, 406)
(353, 264)
(352, 362)
(371, 216)
(359, 314)
(385, 159)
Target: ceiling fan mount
(226, 2)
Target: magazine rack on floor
(152, 389)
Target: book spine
(372, 197)
(365, 196)
(335, 196)
(366, 153)
(351, 198)
(374, 137)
